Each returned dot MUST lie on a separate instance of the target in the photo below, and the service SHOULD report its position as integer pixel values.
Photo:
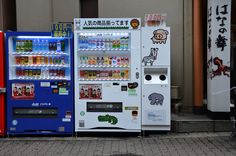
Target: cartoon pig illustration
(159, 36)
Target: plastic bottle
(58, 46)
(46, 45)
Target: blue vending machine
(39, 83)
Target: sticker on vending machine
(23, 91)
(90, 91)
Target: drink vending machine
(107, 74)
(39, 82)
(2, 86)
(156, 77)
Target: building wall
(179, 18)
(38, 15)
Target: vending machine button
(123, 88)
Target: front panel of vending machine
(156, 78)
(2, 86)
(39, 82)
(107, 75)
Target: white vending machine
(156, 77)
(107, 74)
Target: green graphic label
(108, 118)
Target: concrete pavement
(176, 144)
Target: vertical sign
(218, 55)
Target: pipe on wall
(197, 56)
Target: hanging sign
(154, 20)
(61, 30)
(218, 55)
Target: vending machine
(40, 83)
(156, 80)
(107, 74)
(2, 86)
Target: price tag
(61, 30)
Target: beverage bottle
(40, 43)
(63, 45)
(113, 43)
(86, 60)
(26, 45)
(110, 60)
(114, 61)
(118, 74)
(98, 62)
(46, 45)
(126, 74)
(117, 42)
(126, 42)
(63, 60)
(34, 45)
(54, 46)
(102, 43)
(122, 42)
(102, 61)
(21, 45)
(58, 46)
(126, 61)
(50, 46)
(17, 46)
(118, 61)
(59, 60)
(30, 45)
(122, 74)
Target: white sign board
(218, 55)
(106, 23)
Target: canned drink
(22, 60)
(50, 60)
(17, 59)
(30, 60)
(30, 72)
(18, 72)
(34, 59)
(38, 72)
(42, 60)
(26, 72)
(38, 59)
(82, 73)
(46, 60)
